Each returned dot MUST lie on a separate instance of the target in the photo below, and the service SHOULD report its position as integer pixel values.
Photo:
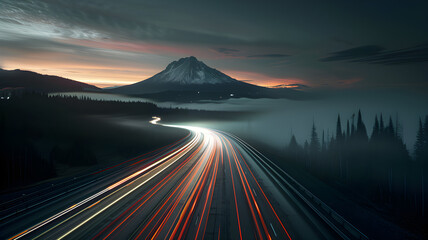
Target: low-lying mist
(277, 119)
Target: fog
(277, 119)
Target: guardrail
(340, 225)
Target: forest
(378, 167)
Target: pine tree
(424, 166)
(323, 144)
(338, 129)
(293, 149)
(425, 152)
(381, 125)
(348, 133)
(420, 142)
(306, 147)
(390, 129)
(314, 146)
(293, 146)
(376, 129)
(361, 128)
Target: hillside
(31, 81)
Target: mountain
(184, 74)
(189, 79)
(31, 81)
(191, 71)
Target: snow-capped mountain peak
(190, 71)
(189, 79)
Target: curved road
(209, 185)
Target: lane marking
(273, 229)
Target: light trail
(183, 182)
(155, 189)
(81, 203)
(129, 192)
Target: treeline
(378, 167)
(21, 163)
(44, 136)
(38, 133)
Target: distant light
(155, 120)
(8, 97)
(2, 97)
(198, 92)
(231, 95)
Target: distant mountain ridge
(31, 81)
(189, 79)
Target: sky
(331, 44)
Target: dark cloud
(378, 55)
(250, 34)
(274, 55)
(358, 52)
(236, 52)
(226, 51)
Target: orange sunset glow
(261, 79)
(110, 76)
(100, 76)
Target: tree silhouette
(420, 142)
(425, 147)
(293, 150)
(390, 130)
(339, 134)
(293, 145)
(348, 132)
(314, 146)
(378, 167)
(381, 124)
(376, 129)
(361, 132)
(323, 143)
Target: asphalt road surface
(209, 185)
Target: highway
(208, 185)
